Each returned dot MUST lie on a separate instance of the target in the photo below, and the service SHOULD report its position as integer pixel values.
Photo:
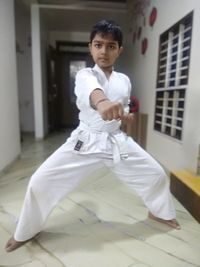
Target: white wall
(24, 67)
(9, 113)
(171, 153)
(44, 49)
(124, 62)
(37, 73)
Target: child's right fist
(110, 110)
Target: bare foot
(12, 244)
(172, 223)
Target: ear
(90, 46)
(120, 50)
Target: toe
(12, 244)
(175, 224)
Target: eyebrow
(98, 41)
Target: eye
(98, 46)
(111, 47)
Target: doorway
(62, 69)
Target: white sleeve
(85, 83)
(127, 100)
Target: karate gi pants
(65, 169)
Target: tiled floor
(101, 224)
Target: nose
(103, 49)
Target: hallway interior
(100, 224)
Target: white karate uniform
(94, 144)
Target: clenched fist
(107, 109)
(110, 110)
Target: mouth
(103, 59)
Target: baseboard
(5, 169)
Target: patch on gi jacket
(78, 145)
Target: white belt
(119, 149)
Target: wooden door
(68, 65)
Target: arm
(107, 109)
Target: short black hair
(106, 27)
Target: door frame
(69, 46)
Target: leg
(148, 179)
(53, 180)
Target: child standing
(102, 98)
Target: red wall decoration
(139, 10)
(144, 46)
(153, 16)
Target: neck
(107, 71)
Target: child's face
(104, 50)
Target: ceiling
(63, 2)
(79, 15)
